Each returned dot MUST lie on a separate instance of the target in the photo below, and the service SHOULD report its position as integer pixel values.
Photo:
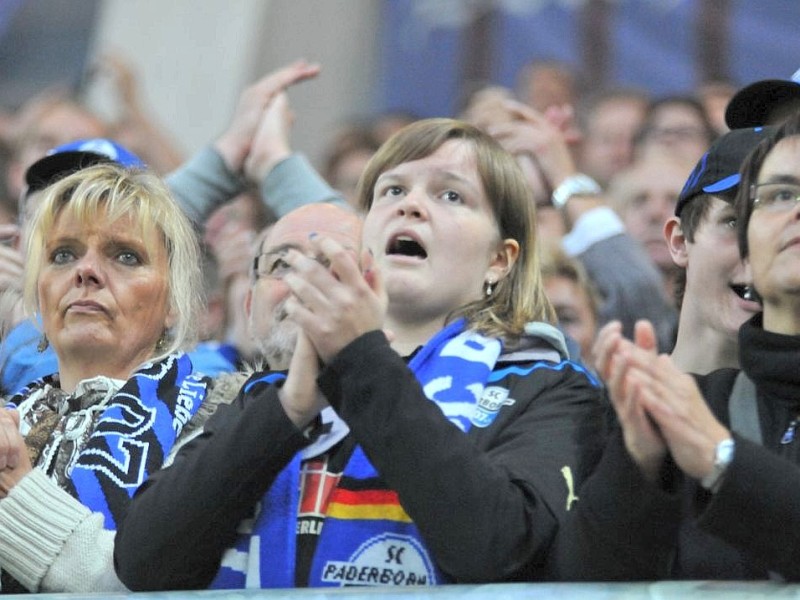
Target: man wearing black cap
(716, 297)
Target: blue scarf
(133, 434)
(367, 537)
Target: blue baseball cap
(74, 156)
(717, 172)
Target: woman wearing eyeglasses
(703, 481)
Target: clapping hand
(659, 407)
(14, 460)
(334, 305)
(235, 143)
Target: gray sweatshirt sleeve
(292, 183)
(204, 183)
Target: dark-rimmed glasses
(274, 265)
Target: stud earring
(750, 294)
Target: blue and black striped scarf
(107, 443)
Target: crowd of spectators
(549, 338)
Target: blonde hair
(519, 297)
(118, 192)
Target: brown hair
(750, 170)
(519, 297)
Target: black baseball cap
(717, 172)
(74, 156)
(751, 106)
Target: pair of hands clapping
(257, 138)
(332, 307)
(659, 407)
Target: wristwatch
(575, 185)
(723, 456)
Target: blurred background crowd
(634, 90)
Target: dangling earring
(489, 289)
(43, 344)
(162, 341)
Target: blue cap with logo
(74, 156)
(717, 172)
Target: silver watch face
(576, 185)
(724, 453)
(723, 456)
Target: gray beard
(278, 346)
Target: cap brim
(723, 185)
(724, 188)
(750, 106)
(55, 166)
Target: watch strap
(575, 185)
(723, 457)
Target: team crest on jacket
(493, 399)
(387, 559)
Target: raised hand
(336, 305)
(235, 143)
(616, 361)
(674, 402)
(271, 141)
(535, 134)
(300, 396)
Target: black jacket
(626, 528)
(487, 503)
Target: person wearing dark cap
(71, 157)
(714, 292)
(20, 360)
(703, 479)
(765, 102)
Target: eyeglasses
(274, 265)
(775, 197)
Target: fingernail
(312, 235)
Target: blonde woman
(112, 271)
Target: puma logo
(571, 497)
